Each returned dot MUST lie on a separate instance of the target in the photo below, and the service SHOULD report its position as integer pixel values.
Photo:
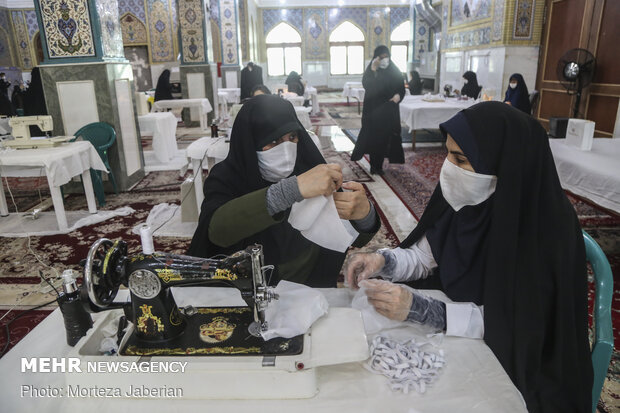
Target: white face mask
(465, 81)
(278, 162)
(513, 85)
(384, 63)
(461, 187)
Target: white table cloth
(311, 93)
(594, 174)
(419, 114)
(294, 98)
(472, 381)
(163, 127)
(59, 164)
(203, 105)
(346, 89)
(212, 150)
(303, 114)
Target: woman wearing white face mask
(380, 134)
(273, 163)
(517, 94)
(503, 242)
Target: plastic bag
(297, 308)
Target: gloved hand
(401, 303)
(362, 266)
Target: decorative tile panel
(132, 6)
(134, 31)
(243, 30)
(468, 11)
(379, 33)
(469, 38)
(358, 15)
(160, 31)
(111, 36)
(315, 39)
(272, 17)
(67, 27)
(22, 39)
(421, 37)
(4, 19)
(524, 18)
(31, 22)
(192, 31)
(397, 16)
(5, 49)
(228, 32)
(214, 6)
(498, 20)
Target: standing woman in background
(34, 100)
(162, 91)
(471, 88)
(380, 133)
(517, 94)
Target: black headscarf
(518, 97)
(294, 83)
(162, 91)
(415, 84)
(34, 99)
(261, 120)
(251, 75)
(471, 88)
(526, 261)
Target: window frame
(347, 44)
(283, 46)
(400, 42)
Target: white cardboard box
(580, 133)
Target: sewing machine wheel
(100, 277)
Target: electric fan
(575, 71)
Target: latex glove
(323, 179)
(390, 300)
(375, 64)
(395, 98)
(362, 266)
(352, 205)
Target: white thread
(147, 240)
(406, 365)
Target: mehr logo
(51, 365)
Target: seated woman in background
(163, 91)
(272, 163)
(470, 87)
(517, 94)
(294, 83)
(509, 253)
(415, 84)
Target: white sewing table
(212, 150)
(203, 105)
(59, 164)
(311, 93)
(356, 91)
(163, 127)
(226, 96)
(472, 380)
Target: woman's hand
(508, 103)
(362, 266)
(375, 64)
(395, 98)
(352, 205)
(390, 300)
(323, 179)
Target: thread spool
(147, 239)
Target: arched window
(283, 50)
(346, 50)
(400, 45)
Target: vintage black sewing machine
(160, 327)
(225, 353)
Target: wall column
(229, 35)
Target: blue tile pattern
(132, 6)
(498, 20)
(358, 15)
(111, 37)
(5, 52)
(315, 40)
(31, 22)
(469, 38)
(4, 20)
(524, 18)
(271, 17)
(397, 16)
(464, 11)
(245, 55)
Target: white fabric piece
(348, 86)
(61, 162)
(464, 320)
(373, 321)
(418, 114)
(412, 263)
(163, 127)
(318, 221)
(165, 220)
(408, 366)
(294, 312)
(278, 162)
(461, 187)
(17, 225)
(216, 148)
(593, 174)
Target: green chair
(101, 135)
(604, 337)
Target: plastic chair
(604, 337)
(101, 135)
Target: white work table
(311, 93)
(203, 105)
(209, 151)
(472, 381)
(59, 164)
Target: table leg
(413, 140)
(204, 124)
(197, 168)
(358, 106)
(4, 209)
(89, 192)
(348, 103)
(59, 206)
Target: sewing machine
(20, 126)
(226, 354)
